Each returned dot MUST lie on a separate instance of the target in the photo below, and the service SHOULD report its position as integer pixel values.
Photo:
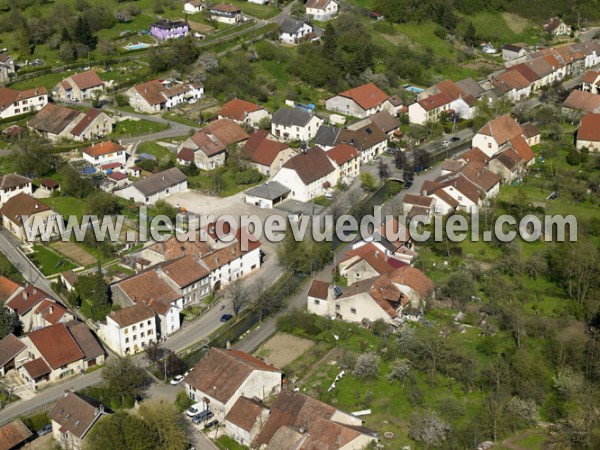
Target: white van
(195, 409)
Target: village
(238, 346)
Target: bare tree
(239, 296)
(261, 300)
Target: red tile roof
(343, 153)
(37, 368)
(311, 166)
(76, 413)
(220, 372)
(475, 155)
(22, 205)
(7, 288)
(237, 109)
(85, 122)
(132, 314)
(117, 176)
(86, 80)
(56, 345)
(51, 311)
(185, 271)
(522, 148)
(434, 101)
(530, 130)
(477, 174)
(512, 79)
(226, 8)
(9, 96)
(590, 76)
(526, 72)
(13, 434)
(12, 180)
(186, 154)
(151, 92)
(366, 96)
(111, 166)
(318, 289)
(10, 346)
(502, 129)
(582, 101)
(227, 131)
(149, 289)
(25, 300)
(244, 413)
(419, 200)
(103, 148)
(589, 128)
(262, 150)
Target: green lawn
(226, 443)
(255, 10)
(495, 28)
(204, 181)
(67, 206)
(48, 81)
(48, 262)
(156, 150)
(130, 127)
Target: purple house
(167, 29)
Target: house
(104, 153)
(224, 376)
(10, 348)
(460, 103)
(49, 185)
(14, 103)
(418, 205)
(79, 87)
(7, 67)
(513, 51)
(531, 133)
(365, 262)
(165, 29)
(347, 160)
(245, 419)
(292, 124)
(155, 187)
(581, 102)
(243, 112)
(361, 101)
(321, 10)
(8, 288)
(496, 133)
(13, 184)
(72, 418)
(556, 27)
(591, 81)
(267, 195)
(68, 279)
(193, 6)
(304, 423)
(189, 277)
(429, 109)
(14, 435)
(129, 330)
(154, 96)
(55, 122)
(326, 137)
(149, 289)
(369, 140)
(185, 157)
(226, 13)
(50, 312)
(513, 85)
(28, 219)
(508, 165)
(383, 120)
(308, 174)
(59, 351)
(265, 153)
(588, 133)
(383, 297)
(293, 31)
(210, 144)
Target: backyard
(49, 262)
(131, 127)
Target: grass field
(156, 150)
(255, 10)
(130, 127)
(204, 181)
(49, 262)
(67, 206)
(495, 28)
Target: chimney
(34, 291)
(51, 309)
(25, 295)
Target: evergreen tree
(25, 45)
(83, 33)
(65, 36)
(7, 321)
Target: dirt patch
(282, 349)
(200, 27)
(516, 23)
(74, 253)
(396, 39)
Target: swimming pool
(414, 89)
(137, 46)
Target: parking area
(296, 207)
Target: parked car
(211, 424)
(408, 184)
(455, 139)
(44, 430)
(204, 415)
(226, 317)
(177, 379)
(195, 409)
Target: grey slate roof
(471, 87)
(160, 181)
(271, 190)
(291, 26)
(291, 117)
(326, 136)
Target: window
(337, 307)
(127, 340)
(317, 302)
(353, 310)
(142, 334)
(149, 322)
(134, 328)
(134, 337)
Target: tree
(8, 321)
(167, 425)
(428, 429)
(262, 301)
(120, 430)
(470, 37)
(368, 181)
(83, 33)
(25, 42)
(100, 203)
(459, 288)
(153, 352)
(383, 170)
(493, 414)
(32, 157)
(123, 377)
(173, 365)
(238, 295)
(522, 413)
(162, 208)
(73, 183)
(400, 160)
(367, 367)
(94, 289)
(401, 368)
(67, 52)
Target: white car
(177, 379)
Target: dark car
(211, 424)
(455, 139)
(408, 184)
(226, 317)
(201, 417)
(44, 430)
